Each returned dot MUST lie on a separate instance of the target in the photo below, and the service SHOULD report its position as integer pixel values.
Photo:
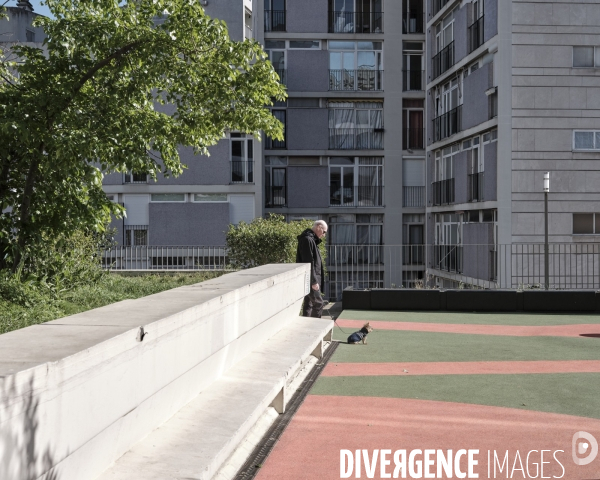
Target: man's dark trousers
(313, 304)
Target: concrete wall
(490, 21)
(461, 171)
(460, 33)
(14, 29)
(308, 129)
(477, 238)
(308, 70)
(233, 14)
(307, 16)
(308, 187)
(490, 177)
(202, 170)
(475, 108)
(113, 179)
(56, 378)
(188, 223)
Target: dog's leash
(335, 321)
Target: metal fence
(165, 258)
(355, 22)
(443, 60)
(363, 79)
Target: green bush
(270, 240)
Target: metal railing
(355, 22)
(242, 171)
(165, 258)
(275, 196)
(437, 5)
(443, 192)
(356, 138)
(447, 124)
(443, 60)
(413, 22)
(475, 34)
(275, 21)
(413, 80)
(356, 80)
(475, 186)
(356, 196)
(248, 31)
(413, 138)
(482, 266)
(282, 72)
(413, 196)
(135, 178)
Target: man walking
(308, 252)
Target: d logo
(584, 447)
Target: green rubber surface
(571, 394)
(525, 319)
(411, 346)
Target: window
(210, 197)
(278, 144)
(29, 36)
(413, 137)
(356, 181)
(132, 177)
(305, 44)
(355, 16)
(247, 24)
(587, 57)
(444, 32)
(412, 66)
(242, 159)
(136, 235)
(275, 50)
(412, 14)
(275, 181)
(356, 229)
(356, 125)
(586, 223)
(355, 65)
(586, 140)
(167, 197)
(299, 102)
(275, 16)
(444, 162)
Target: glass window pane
(584, 140)
(168, 197)
(583, 223)
(366, 60)
(341, 161)
(237, 151)
(250, 145)
(583, 56)
(598, 224)
(276, 160)
(275, 44)
(311, 44)
(597, 49)
(597, 146)
(335, 61)
(369, 45)
(337, 45)
(210, 197)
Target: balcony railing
(437, 5)
(275, 21)
(413, 80)
(448, 258)
(356, 196)
(413, 138)
(356, 80)
(272, 144)
(135, 178)
(413, 196)
(242, 171)
(275, 196)
(355, 22)
(475, 187)
(447, 124)
(493, 105)
(443, 192)
(413, 255)
(282, 72)
(356, 138)
(413, 22)
(475, 34)
(443, 60)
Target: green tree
(120, 86)
(266, 240)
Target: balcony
(413, 22)
(275, 196)
(242, 171)
(447, 124)
(413, 138)
(355, 196)
(356, 138)
(413, 80)
(443, 60)
(356, 80)
(413, 255)
(275, 21)
(475, 34)
(135, 178)
(437, 5)
(443, 192)
(282, 72)
(475, 187)
(448, 258)
(355, 22)
(413, 196)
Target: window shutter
(413, 172)
(241, 208)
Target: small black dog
(356, 337)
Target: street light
(546, 191)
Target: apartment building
(512, 93)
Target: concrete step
(197, 440)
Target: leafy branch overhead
(119, 86)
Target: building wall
(308, 187)
(461, 171)
(490, 21)
(307, 129)
(188, 223)
(308, 70)
(490, 155)
(307, 16)
(14, 29)
(475, 105)
(460, 33)
(233, 14)
(477, 240)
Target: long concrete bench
(198, 439)
(78, 393)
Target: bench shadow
(590, 335)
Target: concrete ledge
(356, 299)
(560, 301)
(405, 299)
(77, 393)
(481, 300)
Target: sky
(37, 7)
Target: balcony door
(275, 50)
(341, 181)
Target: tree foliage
(119, 87)
(263, 241)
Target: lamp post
(546, 191)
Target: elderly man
(308, 252)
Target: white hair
(321, 223)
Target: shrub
(270, 240)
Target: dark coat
(308, 252)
